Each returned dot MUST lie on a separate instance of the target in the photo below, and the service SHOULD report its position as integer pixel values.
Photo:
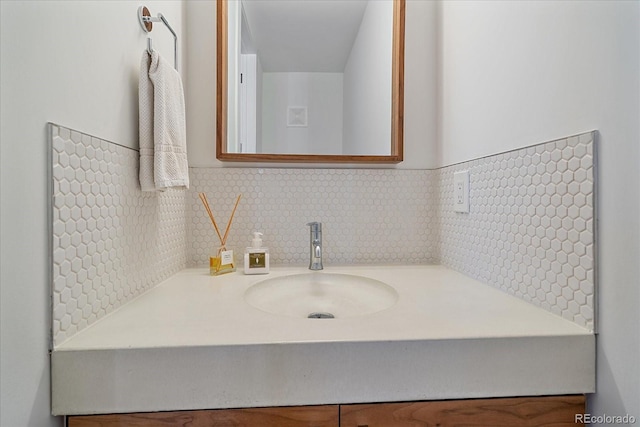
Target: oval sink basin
(321, 295)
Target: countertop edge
(310, 373)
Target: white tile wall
(368, 216)
(111, 242)
(530, 230)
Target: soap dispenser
(256, 257)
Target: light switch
(461, 191)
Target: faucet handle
(315, 226)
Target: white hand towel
(145, 124)
(163, 141)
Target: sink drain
(321, 315)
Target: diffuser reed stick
(226, 232)
(205, 202)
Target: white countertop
(208, 315)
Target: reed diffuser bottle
(221, 260)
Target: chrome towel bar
(146, 22)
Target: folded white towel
(163, 141)
(145, 124)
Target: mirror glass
(310, 80)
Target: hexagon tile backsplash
(111, 242)
(368, 216)
(529, 232)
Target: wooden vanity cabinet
(556, 411)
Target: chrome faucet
(315, 256)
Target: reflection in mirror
(310, 80)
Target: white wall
(321, 94)
(420, 148)
(519, 73)
(367, 88)
(259, 89)
(75, 63)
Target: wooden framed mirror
(299, 124)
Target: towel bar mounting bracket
(144, 17)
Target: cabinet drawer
(556, 411)
(294, 416)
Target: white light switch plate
(461, 191)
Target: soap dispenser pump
(256, 257)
